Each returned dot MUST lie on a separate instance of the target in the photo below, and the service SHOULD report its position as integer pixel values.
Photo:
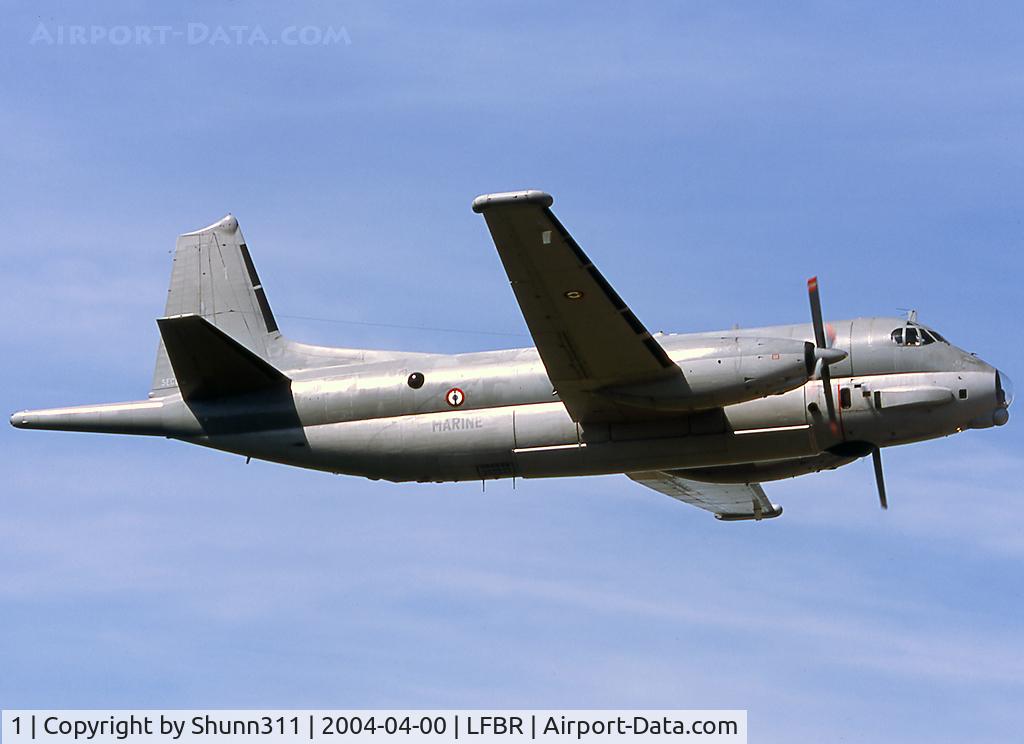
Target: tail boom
(133, 417)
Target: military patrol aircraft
(702, 417)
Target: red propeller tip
(812, 283)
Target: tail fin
(214, 277)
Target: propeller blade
(819, 327)
(824, 352)
(830, 403)
(876, 458)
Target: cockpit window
(915, 335)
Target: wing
(728, 501)
(587, 337)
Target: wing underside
(727, 501)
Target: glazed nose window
(1004, 389)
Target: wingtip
(775, 511)
(529, 196)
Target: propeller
(824, 352)
(826, 355)
(876, 458)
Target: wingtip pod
(529, 196)
(775, 511)
(227, 224)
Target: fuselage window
(845, 399)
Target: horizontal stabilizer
(210, 364)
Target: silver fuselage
(364, 418)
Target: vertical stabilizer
(213, 277)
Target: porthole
(416, 380)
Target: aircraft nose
(1004, 397)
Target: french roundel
(455, 397)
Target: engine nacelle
(722, 371)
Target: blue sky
(709, 157)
